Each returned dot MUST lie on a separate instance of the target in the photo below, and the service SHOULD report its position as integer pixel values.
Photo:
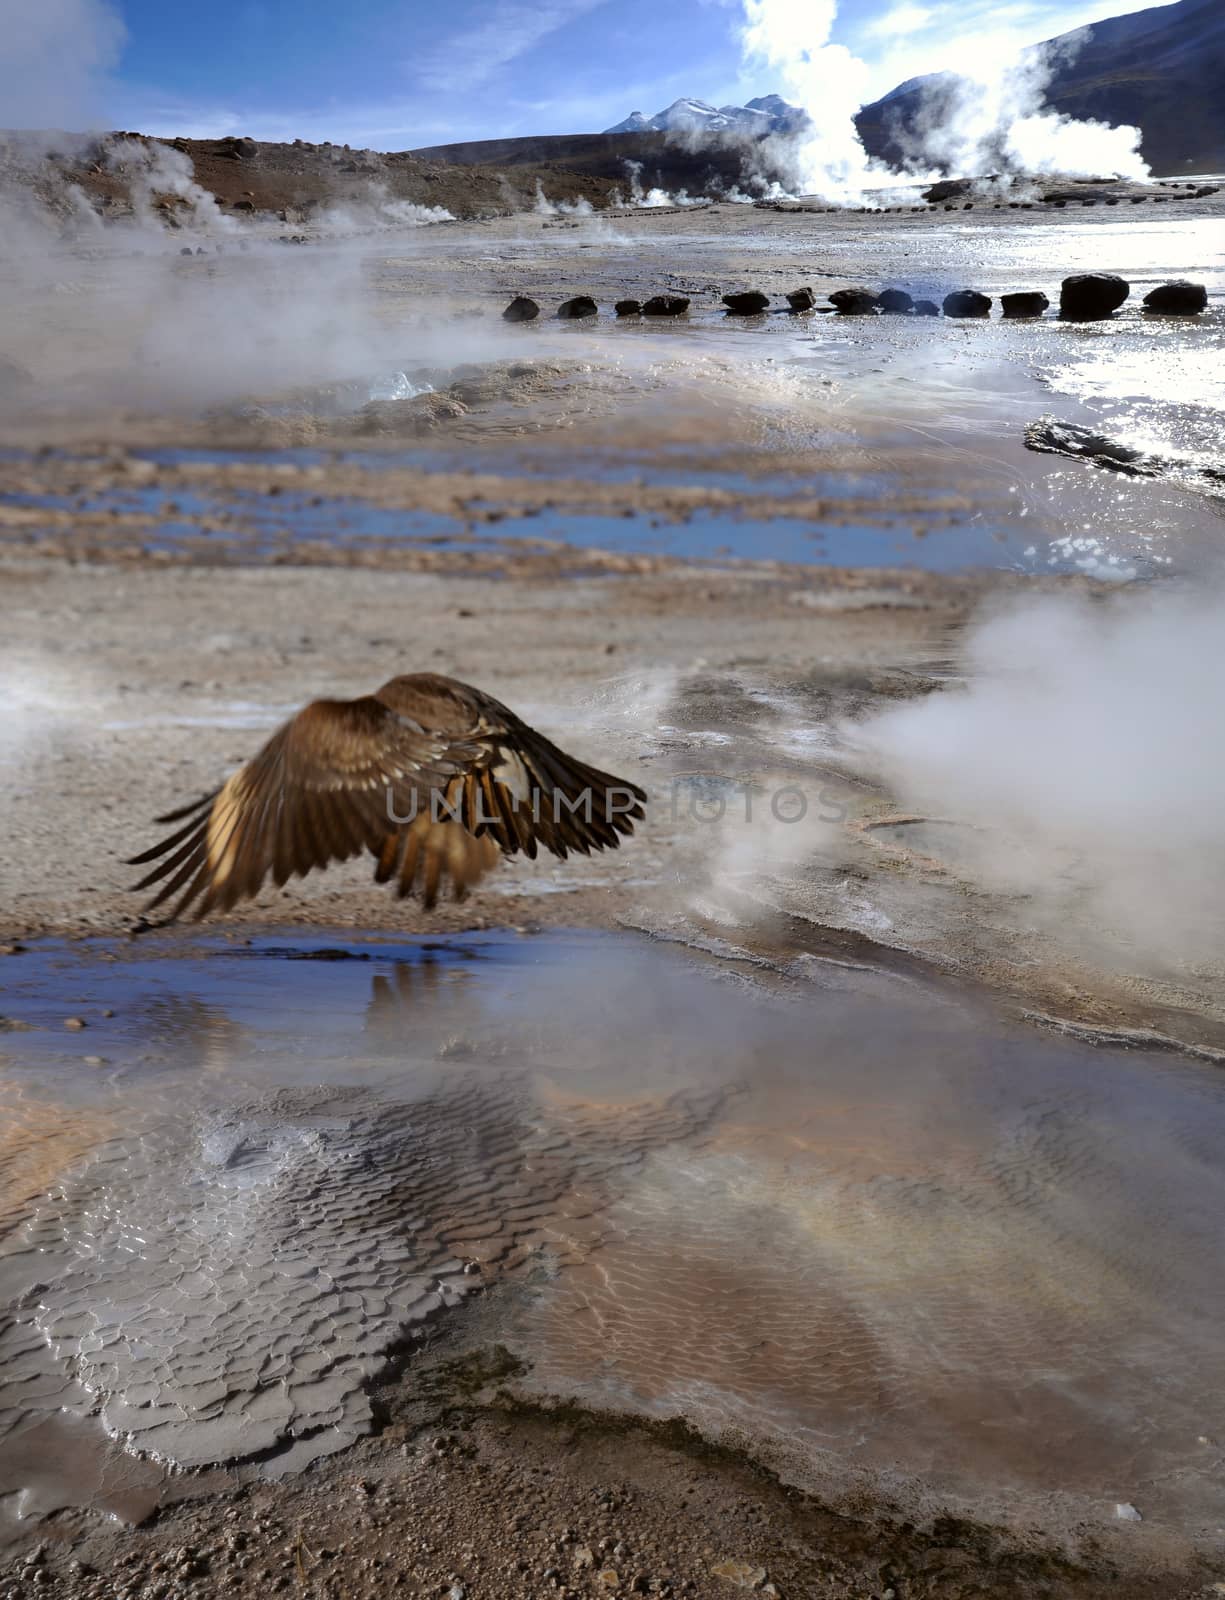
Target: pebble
(1126, 1512)
(75, 1023)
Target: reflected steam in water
(870, 1231)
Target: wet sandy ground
(164, 611)
(131, 690)
(892, 1268)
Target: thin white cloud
(959, 39)
(900, 21)
(471, 56)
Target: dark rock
(894, 302)
(582, 305)
(1082, 444)
(749, 304)
(801, 299)
(521, 309)
(187, 251)
(926, 308)
(853, 302)
(1025, 303)
(666, 305)
(243, 205)
(948, 188)
(628, 308)
(1088, 296)
(967, 303)
(1178, 298)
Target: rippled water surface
(881, 1236)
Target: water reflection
(895, 1239)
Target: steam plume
(988, 115)
(1088, 750)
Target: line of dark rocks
(950, 196)
(1084, 297)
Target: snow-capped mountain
(769, 113)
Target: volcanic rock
(1178, 298)
(748, 304)
(1024, 303)
(853, 302)
(665, 305)
(967, 303)
(1089, 296)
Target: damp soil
(771, 1299)
(477, 1494)
(688, 554)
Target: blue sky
(399, 73)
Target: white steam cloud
(988, 114)
(54, 57)
(792, 37)
(1087, 750)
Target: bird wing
(516, 786)
(322, 789)
(430, 775)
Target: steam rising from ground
(1088, 747)
(53, 57)
(987, 115)
(792, 37)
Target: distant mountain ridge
(769, 113)
(1161, 70)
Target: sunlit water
(881, 1238)
(904, 410)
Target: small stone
(666, 305)
(749, 303)
(583, 1557)
(1125, 1512)
(609, 1578)
(967, 303)
(1025, 303)
(1178, 298)
(1091, 296)
(853, 302)
(75, 1024)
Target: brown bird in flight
(432, 776)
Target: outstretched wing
(517, 787)
(322, 789)
(430, 775)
